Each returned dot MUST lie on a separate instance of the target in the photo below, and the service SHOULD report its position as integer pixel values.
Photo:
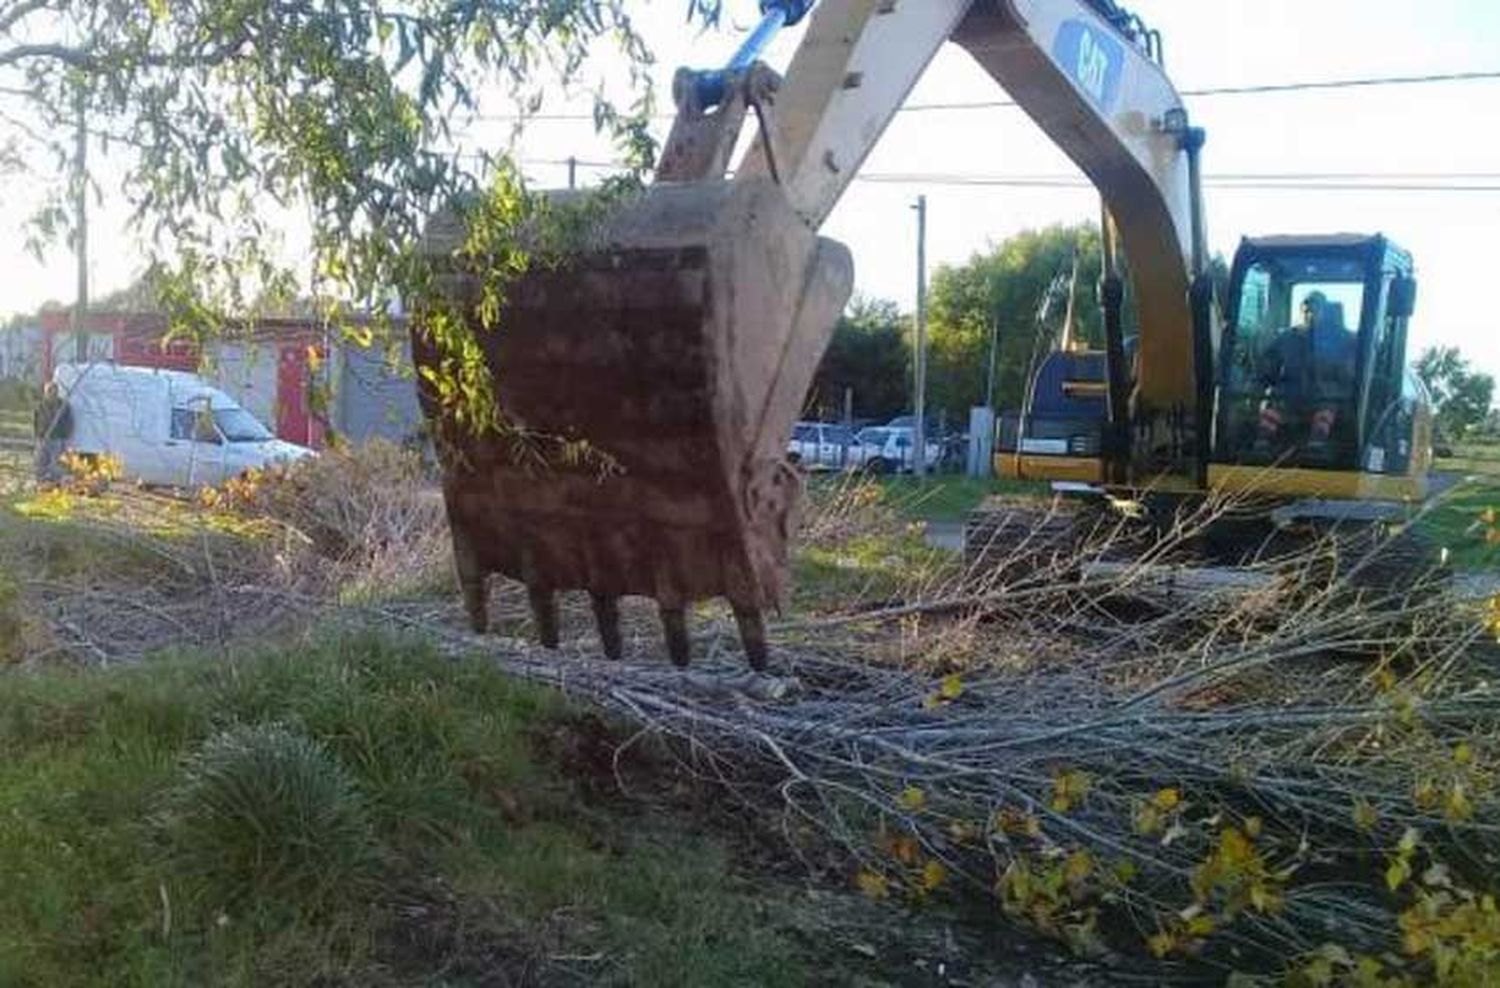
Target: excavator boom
(682, 343)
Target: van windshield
(239, 426)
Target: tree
(1461, 397)
(868, 355)
(225, 117)
(1004, 290)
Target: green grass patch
(359, 811)
(948, 498)
(942, 498)
(1464, 521)
(1482, 459)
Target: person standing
(53, 424)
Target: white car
(889, 449)
(167, 428)
(824, 446)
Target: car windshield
(239, 426)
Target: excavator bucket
(680, 348)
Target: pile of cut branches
(1283, 772)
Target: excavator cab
(1314, 391)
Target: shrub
(264, 816)
(370, 509)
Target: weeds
(262, 813)
(360, 811)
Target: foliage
(437, 774)
(227, 117)
(263, 813)
(1020, 290)
(90, 474)
(1462, 397)
(869, 355)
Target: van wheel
(794, 458)
(878, 466)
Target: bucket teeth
(752, 635)
(544, 613)
(607, 617)
(674, 625)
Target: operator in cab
(1308, 375)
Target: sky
(1402, 135)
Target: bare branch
(13, 14)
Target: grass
(160, 826)
(1458, 523)
(945, 498)
(1477, 458)
(16, 404)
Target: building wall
(21, 353)
(375, 396)
(247, 371)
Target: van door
(195, 448)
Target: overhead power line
(1243, 90)
(1476, 182)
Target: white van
(166, 427)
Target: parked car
(885, 449)
(824, 446)
(168, 428)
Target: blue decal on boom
(1093, 60)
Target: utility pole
(81, 232)
(919, 439)
(572, 172)
(989, 380)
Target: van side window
(194, 425)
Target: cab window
(1290, 386)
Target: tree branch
(76, 57)
(9, 18)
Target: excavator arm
(1099, 93)
(680, 341)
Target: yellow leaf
(314, 359)
(952, 687)
(1397, 874)
(1125, 871)
(1234, 847)
(1264, 899)
(1365, 817)
(1463, 754)
(1252, 826)
(933, 874)
(1167, 799)
(873, 884)
(1487, 516)
(1318, 972)
(1080, 865)
(912, 799)
(1148, 820)
(1425, 794)
(1200, 926)
(1068, 789)
(1161, 944)
(1410, 838)
(1456, 804)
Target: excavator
(680, 339)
